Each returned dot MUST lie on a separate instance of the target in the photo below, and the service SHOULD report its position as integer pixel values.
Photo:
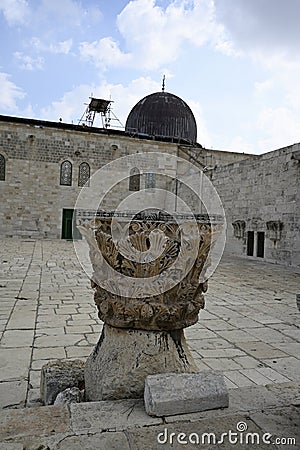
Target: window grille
(84, 174)
(66, 173)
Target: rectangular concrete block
(170, 394)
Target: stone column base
(123, 358)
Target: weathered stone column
(123, 358)
(147, 290)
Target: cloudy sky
(235, 62)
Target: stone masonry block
(56, 376)
(170, 394)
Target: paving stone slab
(169, 394)
(253, 398)
(238, 378)
(291, 348)
(288, 367)
(97, 441)
(248, 362)
(110, 415)
(272, 375)
(13, 393)
(268, 335)
(57, 341)
(41, 442)
(260, 350)
(17, 338)
(22, 320)
(79, 352)
(33, 421)
(289, 393)
(218, 324)
(14, 363)
(256, 376)
(280, 423)
(237, 335)
(49, 353)
(221, 363)
(35, 378)
(11, 446)
(204, 434)
(221, 353)
(49, 330)
(34, 398)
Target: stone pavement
(249, 330)
(257, 417)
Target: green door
(69, 229)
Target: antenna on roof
(163, 83)
(98, 105)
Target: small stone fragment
(170, 394)
(69, 395)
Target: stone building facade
(262, 203)
(42, 171)
(45, 165)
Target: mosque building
(44, 165)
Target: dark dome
(163, 115)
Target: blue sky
(235, 62)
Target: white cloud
(280, 126)
(10, 93)
(280, 123)
(167, 73)
(104, 53)
(70, 107)
(29, 63)
(15, 11)
(203, 136)
(267, 26)
(60, 14)
(52, 47)
(69, 13)
(240, 145)
(263, 87)
(154, 36)
(268, 35)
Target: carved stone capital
(148, 278)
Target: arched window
(84, 174)
(66, 173)
(134, 179)
(2, 168)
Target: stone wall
(32, 199)
(263, 192)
